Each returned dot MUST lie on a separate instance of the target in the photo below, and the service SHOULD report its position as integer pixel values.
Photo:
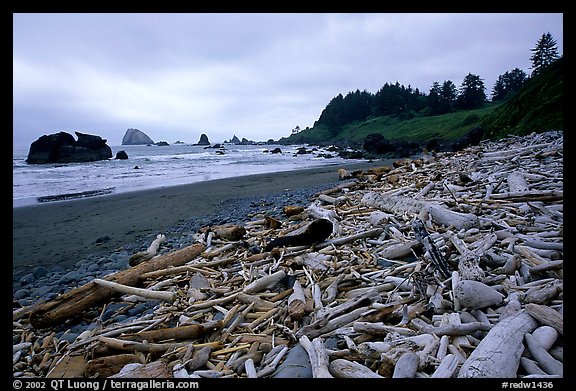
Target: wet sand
(64, 232)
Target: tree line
(406, 102)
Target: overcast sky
(254, 75)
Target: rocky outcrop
(136, 137)
(122, 155)
(63, 148)
(203, 140)
(234, 140)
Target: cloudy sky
(256, 75)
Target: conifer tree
(545, 53)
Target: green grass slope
(536, 107)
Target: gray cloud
(255, 75)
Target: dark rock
(377, 144)
(136, 137)
(103, 239)
(234, 140)
(203, 140)
(276, 150)
(62, 148)
(40, 272)
(27, 279)
(70, 277)
(122, 155)
(295, 365)
(162, 144)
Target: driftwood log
(498, 354)
(76, 301)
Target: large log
(440, 215)
(74, 302)
(498, 354)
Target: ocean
(150, 167)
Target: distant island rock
(61, 147)
(162, 144)
(136, 137)
(234, 140)
(203, 140)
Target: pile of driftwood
(446, 266)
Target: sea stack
(61, 147)
(136, 137)
(203, 140)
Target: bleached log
(406, 366)
(439, 214)
(544, 359)
(263, 283)
(320, 213)
(332, 200)
(475, 294)
(547, 316)
(543, 294)
(456, 329)
(468, 262)
(400, 250)
(349, 239)
(552, 265)
(517, 183)
(342, 368)
(447, 367)
(546, 336)
(250, 369)
(498, 354)
(317, 355)
(146, 293)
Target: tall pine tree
(544, 53)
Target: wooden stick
(146, 293)
(263, 283)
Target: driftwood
(439, 214)
(406, 366)
(544, 359)
(76, 301)
(547, 316)
(110, 365)
(447, 368)
(146, 293)
(150, 252)
(475, 294)
(498, 354)
(351, 369)
(370, 289)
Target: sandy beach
(61, 233)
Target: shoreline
(64, 232)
